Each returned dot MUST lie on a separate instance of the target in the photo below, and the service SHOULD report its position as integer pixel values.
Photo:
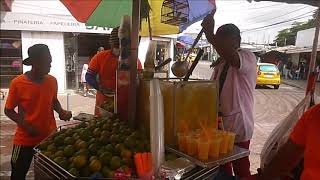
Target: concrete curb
(293, 85)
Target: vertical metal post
(75, 58)
(68, 103)
(135, 26)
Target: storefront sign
(45, 22)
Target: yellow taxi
(268, 74)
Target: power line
(263, 27)
(246, 9)
(285, 14)
(286, 21)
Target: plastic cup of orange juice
(182, 142)
(224, 144)
(203, 149)
(192, 145)
(214, 148)
(231, 138)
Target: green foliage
(288, 36)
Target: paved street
(271, 106)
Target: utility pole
(285, 41)
(312, 64)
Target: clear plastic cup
(192, 146)
(182, 142)
(224, 144)
(231, 138)
(214, 148)
(203, 149)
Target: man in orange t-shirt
(303, 142)
(35, 96)
(105, 65)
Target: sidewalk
(77, 104)
(302, 84)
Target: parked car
(268, 74)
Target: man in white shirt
(236, 74)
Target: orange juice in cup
(203, 149)
(192, 145)
(224, 143)
(214, 148)
(231, 138)
(182, 142)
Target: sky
(248, 16)
(245, 15)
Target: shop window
(10, 56)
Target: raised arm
(224, 48)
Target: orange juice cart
(190, 126)
(179, 117)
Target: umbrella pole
(133, 61)
(149, 27)
(312, 64)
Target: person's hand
(208, 24)
(65, 115)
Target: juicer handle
(194, 64)
(195, 42)
(167, 61)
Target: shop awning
(297, 50)
(180, 44)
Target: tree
(288, 36)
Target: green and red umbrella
(104, 13)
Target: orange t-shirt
(36, 101)
(307, 133)
(105, 64)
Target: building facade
(71, 43)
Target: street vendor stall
(169, 128)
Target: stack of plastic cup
(215, 147)
(192, 146)
(231, 137)
(203, 149)
(224, 144)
